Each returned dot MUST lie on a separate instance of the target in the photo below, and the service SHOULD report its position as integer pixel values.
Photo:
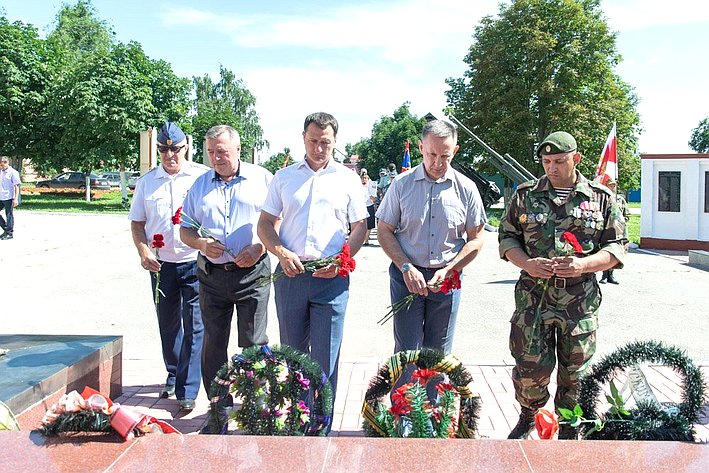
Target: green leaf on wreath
(578, 411)
(566, 414)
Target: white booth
(675, 201)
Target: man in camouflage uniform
(557, 296)
(623, 206)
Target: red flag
(608, 164)
(406, 162)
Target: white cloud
(624, 15)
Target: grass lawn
(102, 202)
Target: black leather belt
(563, 283)
(208, 265)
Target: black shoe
(602, 281)
(167, 391)
(612, 280)
(566, 432)
(524, 426)
(6, 236)
(186, 404)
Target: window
(706, 192)
(669, 192)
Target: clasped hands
(417, 284)
(246, 258)
(559, 266)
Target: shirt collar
(420, 173)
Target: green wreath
(273, 384)
(381, 385)
(645, 422)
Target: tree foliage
(542, 66)
(25, 76)
(699, 141)
(276, 162)
(388, 139)
(226, 102)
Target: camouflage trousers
(551, 324)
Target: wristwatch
(406, 267)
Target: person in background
(226, 203)
(559, 230)
(370, 197)
(158, 195)
(431, 223)
(314, 202)
(9, 196)
(623, 206)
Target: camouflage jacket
(535, 219)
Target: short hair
(441, 129)
(322, 120)
(218, 130)
(392, 167)
(4, 159)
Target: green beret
(556, 143)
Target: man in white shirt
(314, 202)
(158, 195)
(9, 193)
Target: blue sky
(360, 60)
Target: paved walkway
(80, 274)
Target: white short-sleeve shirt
(157, 197)
(316, 207)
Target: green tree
(386, 145)
(542, 66)
(226, 102)
(699, 141)
(101, 106)
(25, 75)
(78, 31)
(275, 162)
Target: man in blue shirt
(226, 204)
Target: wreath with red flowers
(413, 413)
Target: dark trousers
(181, 328)
(7, 223)
(220, 292)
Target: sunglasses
(174, 149)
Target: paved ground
(79, 274)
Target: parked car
(133, 179)
(74, 180)
(114, 178)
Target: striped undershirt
(563, 192)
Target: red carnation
(158, 241)
(177, 218)
(546, 423)
(571, 239)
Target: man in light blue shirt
(9, 195)
(226, 203)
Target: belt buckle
(230, 266)
(559, 283)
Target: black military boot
(524, 426)
(611, 279)
(604, 277)
(566, 432)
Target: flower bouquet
(435, 402)
(344, 261)
(446, 285)
(273, 385)
(91, 411)
(180, 217)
